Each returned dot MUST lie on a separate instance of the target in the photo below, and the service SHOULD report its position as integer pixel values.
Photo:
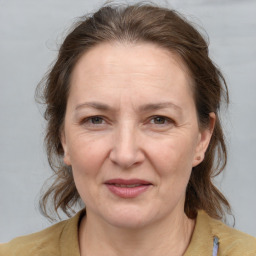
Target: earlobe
(66, 158)
(204, 140)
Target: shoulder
(231, 241)
(46, 242)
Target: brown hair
(138, 23)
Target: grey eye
(159, 120)
(96, 120)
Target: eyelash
(164, 118)
(89, 120)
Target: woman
(132, 105)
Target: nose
(127, 149)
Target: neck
(169, 237)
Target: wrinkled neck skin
(170, 236)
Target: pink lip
(116, 187)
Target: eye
(93, 120)
(96, 120)
(160, 120)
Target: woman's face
(131, 133)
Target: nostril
(124, 159)
(126, 151)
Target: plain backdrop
(30, 34)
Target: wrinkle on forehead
(130, 75)
(108, 64)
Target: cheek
(86, 156)
(173, 156)
(172, 163)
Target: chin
(129, 218)
(128, 222)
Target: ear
(204, 140)
(66, 157)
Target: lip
(128, 188)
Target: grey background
(30, 33)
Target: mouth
(127, 188)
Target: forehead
(109, 57)
(142, 66)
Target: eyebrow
(157, 106)
(143, 108)
(96, 105)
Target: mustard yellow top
(61, 239)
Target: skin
(112, 130)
